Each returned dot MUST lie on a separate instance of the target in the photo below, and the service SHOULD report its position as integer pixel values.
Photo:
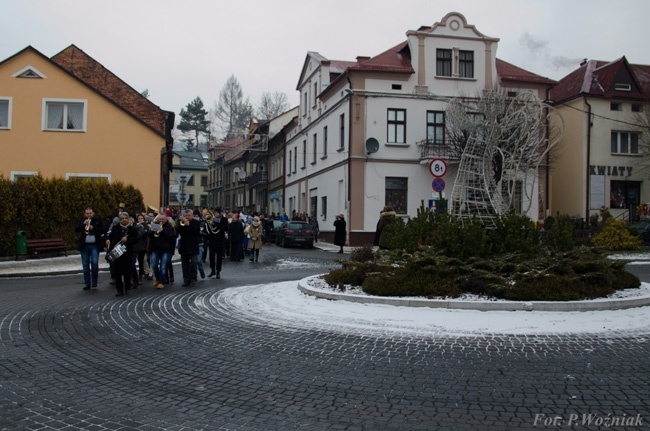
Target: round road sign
(438, 185)
(438, 167)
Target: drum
(116, 253)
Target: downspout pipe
(588, 159)
(349, 187)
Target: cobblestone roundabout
(186, 360)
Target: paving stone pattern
(178, 360)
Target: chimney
(361, 58)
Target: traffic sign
(438, 185)
(438, 168)
(183, 177)
(182, 196)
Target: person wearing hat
(254, 231)
(340, 231)
(386, 217)
(89, 243)
(217, 226)
(189, 230)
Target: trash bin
(21, 245)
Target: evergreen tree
(194, 119)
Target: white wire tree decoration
(502, 142)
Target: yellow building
(599, 163)
(69, 116)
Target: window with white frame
(396, 123)
(68, 115)
(624, 142)
(443, 62)
(295, 159)
(315, 149)
(466, 64)
(397, 194)
(89, 176)
(22, 175)
(306, 105)
(304, 154)
(341, 131)
(5, 112)
(289, 161)
(436, 127)
(324, 142)
(323, 206)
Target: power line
(637, 125)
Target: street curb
(610, 304)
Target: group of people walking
(141, 246)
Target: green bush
(362, 254)
(558, 234)
(50, 208)
(616, 236)
(577, 274)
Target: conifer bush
(616, 236)
(510, 262)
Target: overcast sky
(182, 49)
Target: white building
(361, 140)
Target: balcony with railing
(430, 149)
(258, 178)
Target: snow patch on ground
(282, 305)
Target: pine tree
(194, 119)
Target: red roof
(398, 60)
(598, 78)
(92, 73)
(510, 72)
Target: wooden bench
(35, 246)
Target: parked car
(273, 231)
(295, 233)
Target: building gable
(96, 76)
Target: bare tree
(272, 104)
(231, 111)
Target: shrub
(616, 236)
(558, 234)
(362, 254)
(51, 207)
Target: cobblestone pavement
(180, 360)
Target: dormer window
(28, 72)
(622, 87)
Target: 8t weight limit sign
(438, 168)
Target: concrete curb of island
(592, 305)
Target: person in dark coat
(386, 217)
(217, 226)
(162, 244)
(89, 243)
(340, 231)
(126, 234)
(236, 236)
(189, 230)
